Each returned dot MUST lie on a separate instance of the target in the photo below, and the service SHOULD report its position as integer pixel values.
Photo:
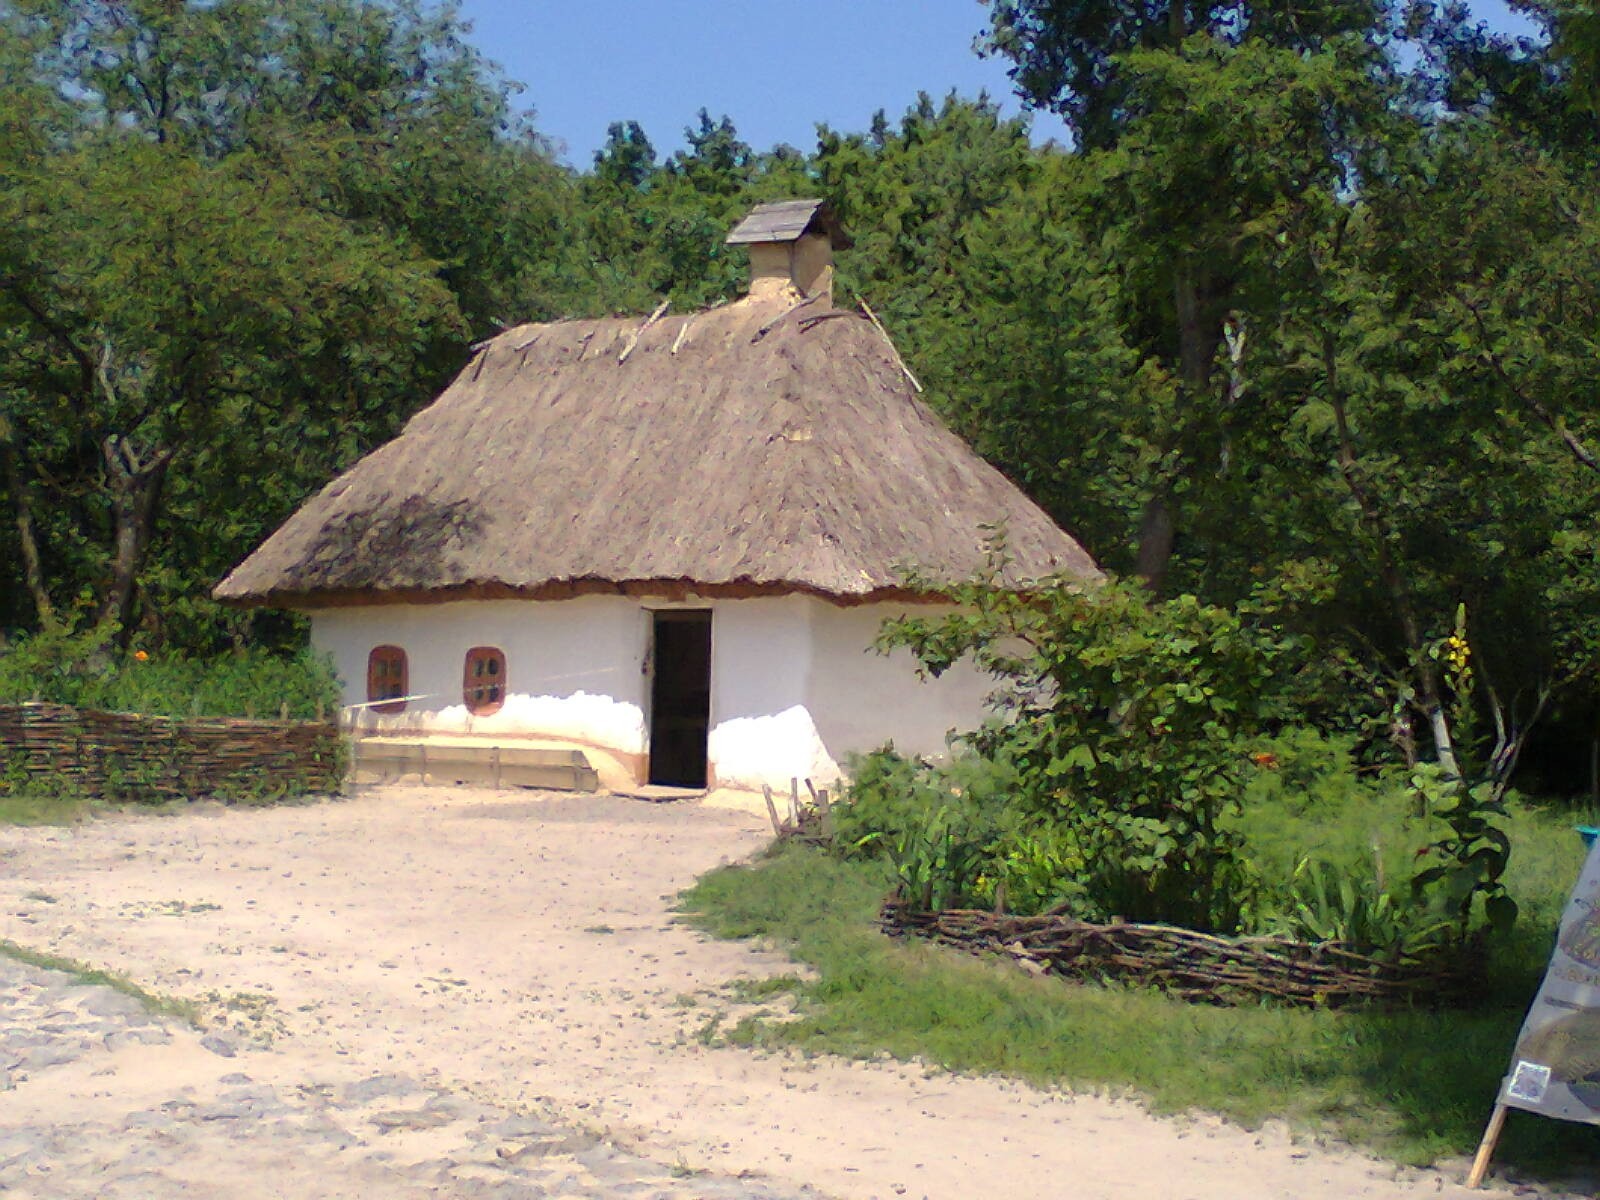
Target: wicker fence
(125, 757)
(1199, 966)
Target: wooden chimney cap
(789, 221)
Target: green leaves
(239, 242)
(1469, 862)
(1122, 719)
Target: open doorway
(680, 697)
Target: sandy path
(519, 948)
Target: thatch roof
(761, 447)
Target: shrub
(80, 669)
(1122, 720)
(955, 834)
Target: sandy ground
(519, 949)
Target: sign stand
(1555, 1067)
(1491, 1135)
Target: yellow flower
(141, 656)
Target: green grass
(1414, 1086)
(38, 808)
(87, 976)
(80, 669)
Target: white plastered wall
(761, 728)
(573, 667)
(795, 684)
(863, 699)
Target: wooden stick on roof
(633, 340)
(888, 341)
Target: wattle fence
(122, 756)
(1198, 966)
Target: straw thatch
(763, 447)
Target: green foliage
(81, 670)
(956, 836)
(1327, 903)
(1475, 851)
(289, 219)
(1322, 850)
(1121, 718)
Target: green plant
(937, 859)
(81, 669)
(956, 833)
(1470, 860)
(1034, 868)
(1122, 719)
(60, 664)
(1329, 904)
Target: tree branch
(1574, 444)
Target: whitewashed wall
(863, 699)
(761, 730)
(795, 685)
(573, 668)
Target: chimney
(791, 246)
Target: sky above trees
(776, 72)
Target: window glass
(484, 682)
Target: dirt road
(518, 950)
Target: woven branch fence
(1200, 966)
(119, 756)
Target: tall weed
(81, 669)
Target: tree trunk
(134, 481)
(1197, 345)
(22, 513)
(1155, 541)
(1444, 749)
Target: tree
(1207, 133)
(293, 215)
(158, 307)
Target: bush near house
(1135, 747)
(81, 669)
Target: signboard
(1555, 1069)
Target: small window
(484, 687)
(387, 678)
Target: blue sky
(776, 69)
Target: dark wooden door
(680, 698)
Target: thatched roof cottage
(667, 541)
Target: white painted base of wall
(795, 686)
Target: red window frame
(483, 680)
(388, 679)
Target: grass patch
(26, 808)
(87, 976)
(1415, 1086)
